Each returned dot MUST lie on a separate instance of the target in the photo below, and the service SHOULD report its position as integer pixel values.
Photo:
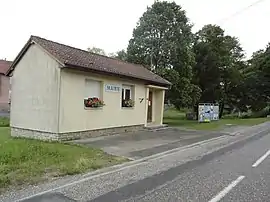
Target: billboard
(208, 112)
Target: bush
(191, 115)
(261, 114)
(231, 116)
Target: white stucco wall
(73, 115)
(34, 94)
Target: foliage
(208, 66)
(96, 50)
(162, 41)
(218, 62)
(93, 102)
(24, 161)
(257, 80)
(128, 103)
(121, 55)
(4, 122)
(182, 92)
(175, 118)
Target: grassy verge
(176, 118)
(25, 161)
(4, 122)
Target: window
(127, 96)
(92, 97)
(92, 88)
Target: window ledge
(93, 108)
(127, 108)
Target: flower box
(93, 102)
(127, 103)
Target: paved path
(227, 168)
(141, 144)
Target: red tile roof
(75, 58)
(4, 66)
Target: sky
(108, 24)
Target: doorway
(150, 107)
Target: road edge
(118, 168)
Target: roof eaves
(49, 53)
(18, 57)
(86, 69)
(23, 51)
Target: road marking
(261, 159)
(227, 189)
(118, 168)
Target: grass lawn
(175, 118)
(4, 122)
(24, 161)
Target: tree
(162, 40)
(96, 50)
(121, 55)
(258, 79)
(219, 58)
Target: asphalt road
(221, 170)
(230, 174)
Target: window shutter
(92, 88)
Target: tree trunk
(221, 109)
(196, 112)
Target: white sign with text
(112, 88)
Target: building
(60, 92)
(4, 85)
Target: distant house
(60, 92)
(4, 85)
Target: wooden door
(150, 103)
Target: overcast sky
(108, 24)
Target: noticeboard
(208, 112)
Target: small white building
(60, 92)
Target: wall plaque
(112, 88)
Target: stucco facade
(48, 101)
(110, 115)
(35, 92)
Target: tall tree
(258, 79)
(162, 41)
(219, 58)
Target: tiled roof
(4, 66)
(84, 60)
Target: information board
(208, 112)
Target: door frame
(150, 107)
(157, 116)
